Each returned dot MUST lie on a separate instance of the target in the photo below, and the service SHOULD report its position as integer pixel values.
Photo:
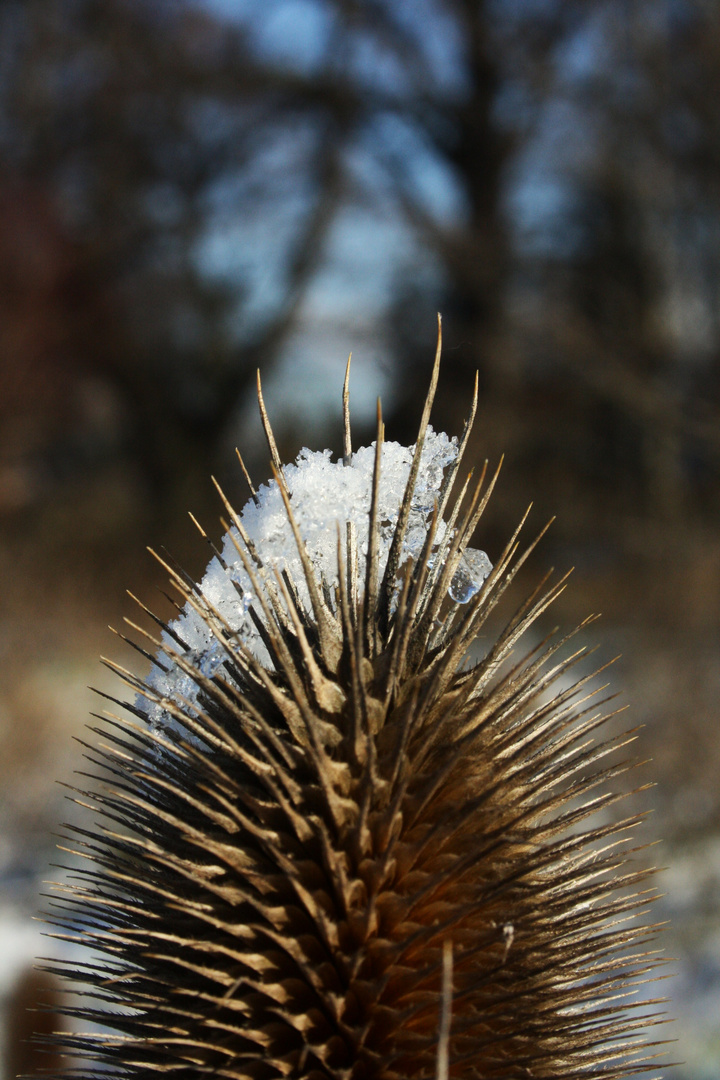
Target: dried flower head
(332, 846)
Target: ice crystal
(472, 571)
(323, 494)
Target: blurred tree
(637, 294)
(195, 175)
(120, 118)
(605, 323)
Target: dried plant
(332, 846)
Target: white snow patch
(323, 494)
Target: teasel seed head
(330, 844)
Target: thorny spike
(267, 428)
(443, 1050)
(450, 556)
(434, 593)
(246, 474)
(393, 561)
(352, 656)
(167, 627)
(338, 847)
(371, 571)
(238, 525)
(453, 469)
(347, 439)
(327, 633)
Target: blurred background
(192, 190)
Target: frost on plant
(324, 494)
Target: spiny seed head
(330, 845)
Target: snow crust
(323, 493)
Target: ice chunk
(473, 569)
(323, 494)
